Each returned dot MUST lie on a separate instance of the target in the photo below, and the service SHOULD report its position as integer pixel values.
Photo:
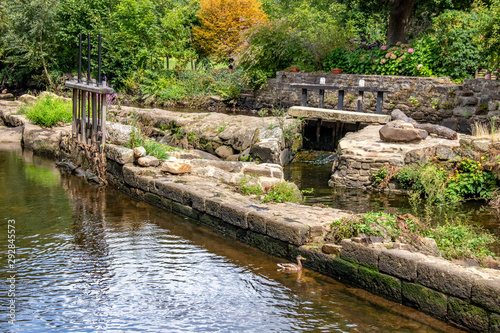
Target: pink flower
(383, 47)
(410, 50)
(419, 67)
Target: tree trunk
(43, 62)
(399, 21)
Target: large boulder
(401, 131)
(119, 134)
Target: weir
(89, 101)
(325, 127)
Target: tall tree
(401, 13)
(29, 36)
(222, 24)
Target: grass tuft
(48, 110)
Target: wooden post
(83, 122)
(94, 118)
(340, 104)
(103, 119)
(321, 98)
(75, 110)
(304, 97)
(360, 101)
(380, 99)
(318, 133)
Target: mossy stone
(378, 283)
(465, 314)
(424, 299)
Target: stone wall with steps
(425, 99)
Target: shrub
(48, 110)
(283, 191)
(153, 148)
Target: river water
(91, 259)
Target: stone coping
(338, 115)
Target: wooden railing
(341, 91)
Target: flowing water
(91, 259)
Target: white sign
(322, 80)
(361, 83)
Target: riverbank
(468, 297)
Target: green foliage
(283, 191)
(460, 240)
(246, 188)
(153, 148)
(48, 110)
(379, 176)
(492, 37)
(302, 38)
(471, 180)
(451, 47)
(173, 86)
(455, 240)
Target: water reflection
(91, 259)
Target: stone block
(175, 167)
(11, 135)
(331, 248)
(399, 263)
(148, 161)
(424, 299)
(464, 314)
(494, 323)
(257, 221)
(378, 283)
(257, 171)
(172, 191)
(130, 175)
(342, 270)
(45, 141)
(119, 154)
(185, 211)
(287, 231)
(486, 293)
(234, 213)
(212, 206)
(360, 253)
(445, 153)
(441, 275)
(139, 152)
(481, 145)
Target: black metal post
(340, 104)
(99, 67)
(304, 97)
(88, 60)
(80, 61)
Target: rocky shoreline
(468, 297)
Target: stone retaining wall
(467, 297)
(434, 100)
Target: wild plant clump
(455, 240)
(48, 111)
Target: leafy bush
(48, 110)
(176, 86)
(300, 39)
(153, 148)
(246, 188)
(453, 47)
(470, 180)
(283, 191)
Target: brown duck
(292, 268)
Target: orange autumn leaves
(223, 23)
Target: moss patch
(378, 283)
(424, 299)
(467, 315)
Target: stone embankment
(362, 154)
(230, 137)
(468, 297)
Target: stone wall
(425, 99)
